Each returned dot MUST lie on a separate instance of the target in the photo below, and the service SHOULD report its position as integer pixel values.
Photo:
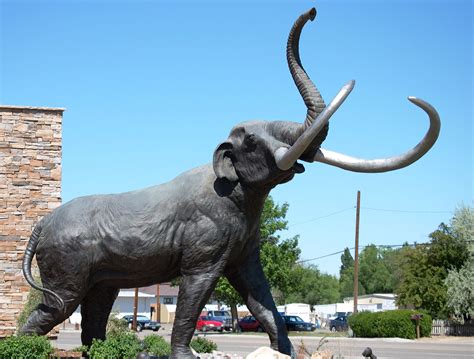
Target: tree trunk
(235, 318)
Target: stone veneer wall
(30, 187)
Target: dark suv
(339, 324)
(295, 323)
(142, 323)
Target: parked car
(142, 323)
(224, 316)
(206, 324)
(339, 314)
(250, 324)
(295, 323)
(339, 324)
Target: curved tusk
(391, 163)
(286, 157)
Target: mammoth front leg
(194, 291)
(249, 280)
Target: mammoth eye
(250, 143)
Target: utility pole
(158, 309)
(135, 310)
(356, 255)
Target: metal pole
(356, 255)
(135, 310)
(158, 309)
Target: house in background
(168, 301)
(376, 302)
(125, 300)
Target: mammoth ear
(222, 162)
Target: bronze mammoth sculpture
(202, 225)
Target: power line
(370, 245)
(326, 255)
(369, 209)
(325, 216)
(403, 210)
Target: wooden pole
(356, 255)
(135, 310)
(158, 308)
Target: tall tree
(272, 220)
(460, 282)
(460, 291)
(313, 287)
(425, 268)
(346, 276)
(462, 224)
(278, 261)
(347, 261)
(374, 272)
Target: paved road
(242, 344)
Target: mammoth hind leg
(95, 310)
(46, 316)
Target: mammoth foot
(182, 353)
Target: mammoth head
(266, 153)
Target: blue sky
(152, 87)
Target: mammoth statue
(202, 225)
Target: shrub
(26, 347)
(81, 348)
(156, 345)
(389, 324)
(203, 345)
(124, 345)
(116, 326)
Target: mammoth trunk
(311, 96)
(289, 132)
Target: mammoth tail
(28, 258)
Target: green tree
(346, 276)
(462, 224)
(272, 220)
(313, 287)
(460, 291)
(278, 262)
(225, 293)
(425, 268)
(374, 271)
(347, 262)
(460, 282)
(393, 259)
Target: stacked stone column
(30, 187)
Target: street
(243, 344)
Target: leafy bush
(26, 347)
(81, 348)
(157, 345)
(123, 345)
(389, 324)
(203, 345)
(116, 326)
(33, 300)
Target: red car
(249, 323)
(207, 324)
